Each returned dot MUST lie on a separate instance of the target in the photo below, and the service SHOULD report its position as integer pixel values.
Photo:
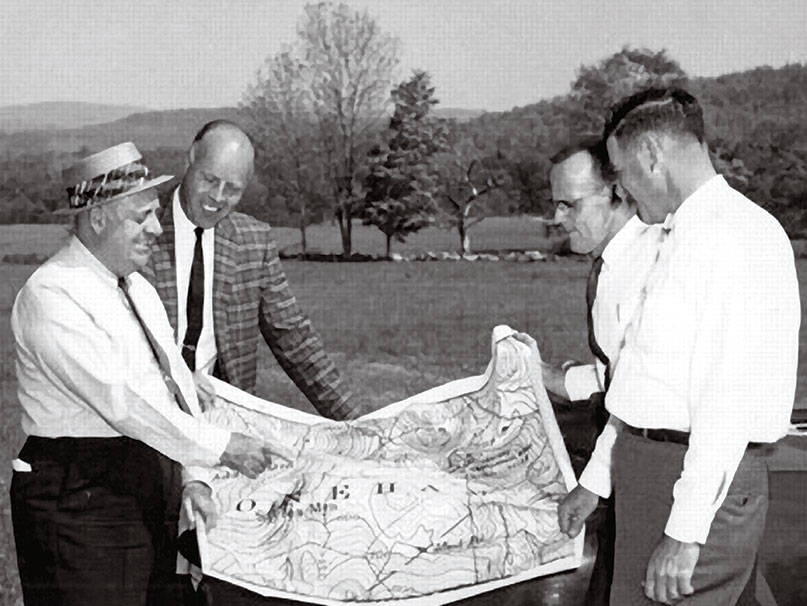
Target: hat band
(103, 187)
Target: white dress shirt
(185, 242)
(627, 259)
(713, 349)
(85, 367)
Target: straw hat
(107, 176)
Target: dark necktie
(159, 352)
(195, 303)
(591, 294)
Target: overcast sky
(481, 54)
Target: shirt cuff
(581, 382)
(195, 473)
(688, 522)
(215, 440)
(596, 477)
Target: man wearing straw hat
(105, 398)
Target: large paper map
(444, 495)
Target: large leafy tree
(284, 129)
(351, 64)
(317, 107)
(403, 182)
(598, 87)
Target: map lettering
(246, 505)
(385, 488)
(340, 493)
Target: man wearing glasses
(603, 224)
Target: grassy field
(493, 233)
(395, 329)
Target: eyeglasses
(602, 196)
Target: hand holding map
(246, 455)
(198, 498)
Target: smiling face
(219, 170)
(583, 201)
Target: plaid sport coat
(251, 296)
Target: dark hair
(593, 146)
(671, 110)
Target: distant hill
(736, 106)
(148, 130)
(457, 113)
(754, 123)
(53, 115)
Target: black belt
(675, 436)
(64, 450)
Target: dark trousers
(166, 588)
(644, 472)
(580, 423)
(602, 571)
(84, 520)
(214, 592)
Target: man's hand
(197, 497)
(554, 378)
(669, 572)
(246, 455)
(526, 339)
(204, 390)
(573, 510)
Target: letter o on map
(246, 505)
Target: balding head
(220, 165)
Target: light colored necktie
(159, 353)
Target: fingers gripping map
(444, 495)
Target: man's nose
(218, 191)
(561, 214)
(153, 226)
(621, 192)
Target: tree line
(340, 137)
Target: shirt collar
(691, 207)
(623, 240)
(77, 250)
(181, 221)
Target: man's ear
(189, 159)
(98, 219)
(649, 152)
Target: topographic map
(450, 493)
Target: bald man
(219, 276)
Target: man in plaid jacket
(219, 276)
